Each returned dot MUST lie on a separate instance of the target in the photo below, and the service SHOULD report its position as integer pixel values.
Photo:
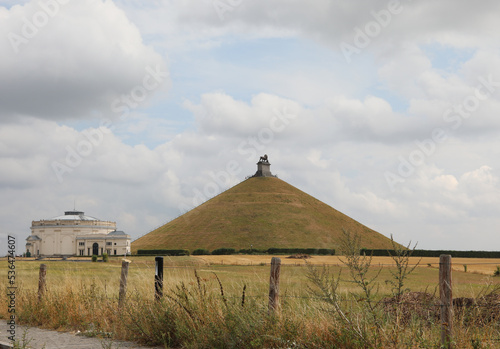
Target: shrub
(200, 252)
(434, 253)
(94, 258)
(105, 257)
(317, 251)
(251, 251)
(162, 252)
(497, 271)
(224, 251)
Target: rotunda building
(74, 233)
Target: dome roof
(117, 233)
(74, 216)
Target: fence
(445, 290)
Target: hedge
(436, 253)
(200, 252)
(224, 251)
(251, 251)
(318, 251)
(163, 252)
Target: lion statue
(263, 158)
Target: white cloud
(463, 25)
(330, 128)
(69, 60)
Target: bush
(94, 258)
(317, 251)
(200, 252)
(224, 251)
(105, 257)
(434, 253)
(163, 252)
(251, 251)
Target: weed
(359, 268)
(401, 258)
(24, 342)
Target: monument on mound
(263, 168)
(261, 212)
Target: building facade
(75, 234)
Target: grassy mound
(262, 212)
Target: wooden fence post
(42, 281)
(274, 285)
(158, 278)
(445, 294)
(123, 283)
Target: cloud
(267, 77)
(142, 188)
(67, 60)
(467, 25)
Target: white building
(75, 234)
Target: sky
(138, 111)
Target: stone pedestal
(263, 169)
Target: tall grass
(320, 307)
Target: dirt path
(46, 339)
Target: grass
(234, 271)
(193, 314)
(262, 212)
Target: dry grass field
(235, 271)
(474, 265)
(221, 301)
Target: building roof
(117, 233)
(74, 216)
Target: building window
(81, 243)
(109, 243)
(81, 252)
(115, 252)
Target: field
(236, 270)
(223, 299)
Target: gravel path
(47, 339)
